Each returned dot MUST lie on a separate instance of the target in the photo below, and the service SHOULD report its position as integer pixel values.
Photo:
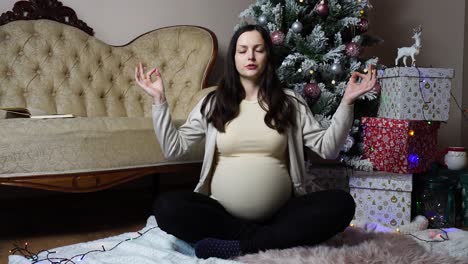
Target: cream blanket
(363, 244)
(153, 246)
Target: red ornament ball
(363, 25)
(277, 37)
(322, 8)
(312, 90)
(353, 49)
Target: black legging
(304, 220)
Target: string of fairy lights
(413, 158)
(37, 258)
(424, 82)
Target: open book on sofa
(20, 112)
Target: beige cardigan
(325, 142)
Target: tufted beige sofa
(53, 68)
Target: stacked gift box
(400, 141)
(383, 197)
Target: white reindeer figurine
(412, 51)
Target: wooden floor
(48, 220)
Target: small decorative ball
(262, 20)
(312, 90)
(336, 68)
(322, 8)
(363, 25)
(277, 37)
(353, 49)
(297, 26)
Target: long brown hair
(225, 100)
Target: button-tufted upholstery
(55, 68)
(59, 69)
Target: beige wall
(443, 46)
(117, 22)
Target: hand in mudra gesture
(355, 89)
(154, 88)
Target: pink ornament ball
(277, 37)
(353, 49)
(312, 90)
(363, 25)
(322, 8)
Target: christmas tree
(318, 44)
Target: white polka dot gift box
(382, 197)
(415, 93)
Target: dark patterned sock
(218, 248)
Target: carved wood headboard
(44, 9)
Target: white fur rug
(358, 246)
(151, 245)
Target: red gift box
(400, 146)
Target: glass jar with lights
(436, 200)
(464, 198)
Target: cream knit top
(178, 141)
(250, 176)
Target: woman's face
(250, 56)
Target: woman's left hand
(355, 89)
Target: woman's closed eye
(257, 50)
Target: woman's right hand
(154, 88)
